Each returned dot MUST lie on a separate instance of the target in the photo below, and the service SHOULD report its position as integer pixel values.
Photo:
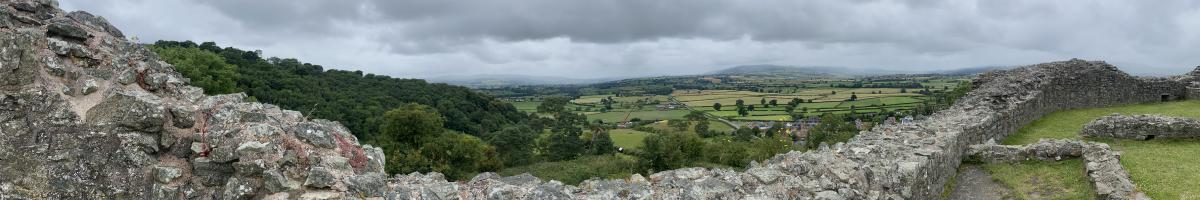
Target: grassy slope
(1164, 169)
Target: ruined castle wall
(1142, 127)
(1005, 101)
(1104, 169)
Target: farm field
(1162, 168)
(618, 116)
(628, 138)
(824, 100)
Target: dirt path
(975, 184)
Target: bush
(577, 170)
(665, 151)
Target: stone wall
(1102, 163)
(1142, 127)
(84, 113)
(1193, 80)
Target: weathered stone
(367, 184)
(1142, 127)
(275, 182)
(17, 61)
(64, 48)
(95, 21)
(183, 116)
(314, 134)
(319, 177)
(249, 168)
(211, 173)
(251, 149)
(131, 110)
(164, 174)
(238, 189)
(321, 195)
(68, 31)
(87, 86)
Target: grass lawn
(627, 138)
(1163, 169)
(1044, 179)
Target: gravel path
(975, 184)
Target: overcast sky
(607, 38)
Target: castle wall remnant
(1142, 127)
(85, 113)
(1102, 163)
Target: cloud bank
(606, 38)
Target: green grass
(1044, 179)
(1163, 169)
(628, 138)
(526, 106)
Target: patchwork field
(1163, 169)
(824, 100)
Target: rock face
(85, 114)
(1142, 127)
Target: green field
(627, 138)
(824, 101)
(526, 106)
(1163, 169)
(618, 116)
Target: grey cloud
(597, 38)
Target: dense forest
(355, 99)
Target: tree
(717, 106)
(679, 125)
(410, 125)
(832, 129)
(742, 111)
(665, 151)
(744, 134)
(458, 156)
(564, 140)
(701, 128)
(853, 97)
(514, 144)
(774, 103)
(205, 69)
(695, 115)
(601, 144)
(903, 90)
(751, 107)
(763, 102)
(739, 103)
(553, 104)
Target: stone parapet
(1142, 127)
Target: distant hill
(501, 80)
(971, 70)
(802, 71)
